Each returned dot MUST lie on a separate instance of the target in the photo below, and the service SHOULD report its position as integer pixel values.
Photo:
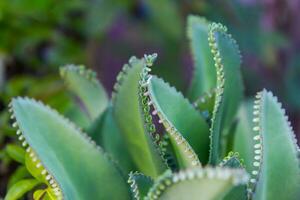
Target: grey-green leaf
(73, 162)
(139, 184)
(129, 118)
(204, 76)
(171, 106)
(227, 63)
(84, 84)
(197, 183)
(276, 152)
(243, 137)
(107, 134)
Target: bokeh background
(37, 37)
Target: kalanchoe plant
(150, 142)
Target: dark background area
(37, 37)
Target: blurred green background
(37, 37)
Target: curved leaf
(276, 160)
(233, 161)
(20, 188)
(205, 104)
(243, 137)
(129, 118)
(227, 63)
(20, 173)
(140, 184)
(176, 112)
(76, 168)
(204, 76)
(197, 183)
(15, 152)
(109, 137)
(87, 88)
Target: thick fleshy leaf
(227, 63)
(140, 184)
(87, 88)
(197, 183)
(129, 118)
(106, 133)
(276, 152)
(204, 77)
(74, 166)
(20, 188)
(243, 137)
(205, 104)
(176, 111)
(233, 161)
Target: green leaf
(109, 137)
(129, 118)
(83, 83)
(243, 137)
(205, 104)
(20, 173)
(233, 161)
(276, 151)
(197, 183)
(176, 113)
(16, 152)
(76, 167)
(227, 63)
(20, 188)
(139, 184)
(204, 76)
(34, 167)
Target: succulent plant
(151, 142)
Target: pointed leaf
(233, 161)
(16, 152)
(140, 184)
(130, 120)
(276, 152)
(173, 109)
(20, 188)
(87, 88)
(205, 104)
(20, 173)
(227, 63)
(76, 168)
(196, 183)
(204, 76)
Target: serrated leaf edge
(237, 176)
(258, 139)
(134, 186)
(219, 90)
(36, 158)
(170, 128)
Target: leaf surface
(197, 183)
(204, 76)
(74, 165)
(128, 114)
(83, 83)
(276, 157)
